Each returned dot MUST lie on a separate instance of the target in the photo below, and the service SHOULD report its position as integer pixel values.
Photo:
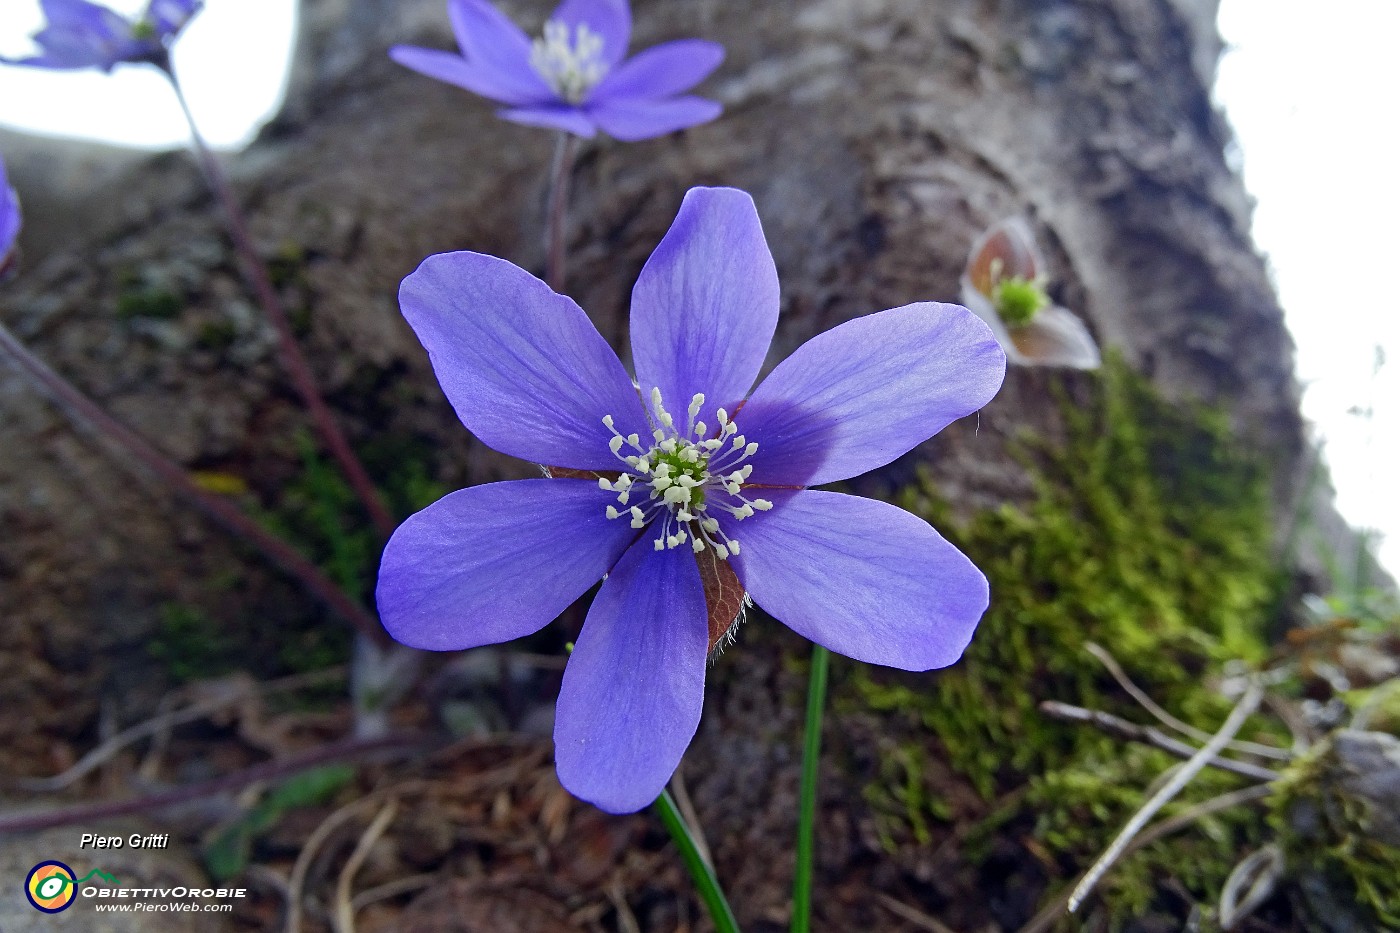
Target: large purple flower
(79, 34)
(9, 218)
(575, 77)
(682, 488)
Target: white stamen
(688, 478)
(571, 65)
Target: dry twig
(1247, 704)
(1134, 732)
(1170, 721)
(344, 914)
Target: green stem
(700, 870)
(807, 801)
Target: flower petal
(980, 305)
(706, 303)
(490, 41)
(10, 217)
(1055, 337)
(661, 71)
(564, 117)
(861, 394)
(454, 69)
(861, 577)
(610, 19)
(525, 369)
(632, 119)
(497, 562)
(634, 686)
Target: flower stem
(560, 173)
(292, 356)
(85, 411)
(807, 799)
(700, 871)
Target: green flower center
(1018, 300)
(676, 472)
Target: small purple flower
(574, 78)
(79, 34)
(682, 487)
(9, 219)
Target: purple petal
(661, 71)
(631, 119)
(525, 369)
(79, 34)
(10, 218)
(635, 684)
(610, 19)
(861, 577)
(497, 562)
(564, 117)
(861, 394)
(79, 14)
(454, 69)
(491, 42)
(706, 303)
(170, 16)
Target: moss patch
(1150, 535)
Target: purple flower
(574, 78)
(9, 218)
(80, 34)
(683, 487)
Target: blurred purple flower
(9, 218)
(574, 78)
(79, 34)
(681, 468)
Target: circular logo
(50, 887)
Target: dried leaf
(724, 594)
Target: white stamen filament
(687, 477)
(571, 65)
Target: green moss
(1150, 535)
(191, 645)
(216, 336)
(148, 302)
(1324, 829)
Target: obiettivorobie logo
(52, 886)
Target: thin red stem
(560, 174)
(292, 356)
(86, 411)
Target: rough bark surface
(878, 137)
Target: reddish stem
(560, 173)
(292, 356)
(86, 411)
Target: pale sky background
(1310, 94)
